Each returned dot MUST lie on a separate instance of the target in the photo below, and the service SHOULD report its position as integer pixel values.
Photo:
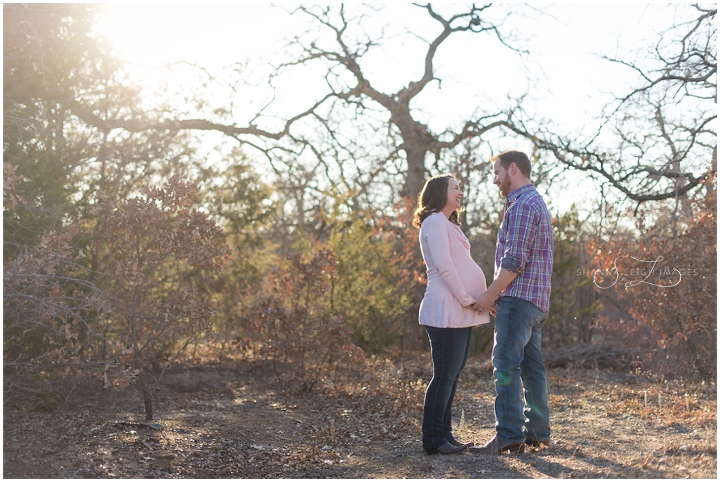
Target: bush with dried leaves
(296, 327)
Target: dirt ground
(231, 420)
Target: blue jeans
(450, 348)
(519, 370)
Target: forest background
(245, 214)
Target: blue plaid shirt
(525, 246)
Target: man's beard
(505, 187)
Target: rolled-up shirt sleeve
(439, 246)
(521, 229)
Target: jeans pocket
(543, 319)
(507, 306)
(534, 316)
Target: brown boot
(499, 445)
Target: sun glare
(207, 34)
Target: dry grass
(230, 420)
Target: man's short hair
(519, 158)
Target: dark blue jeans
(519, 371)
(450, 348)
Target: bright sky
(563, 42)
(563, 38)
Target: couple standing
(457, 298)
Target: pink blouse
(453, 277)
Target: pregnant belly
(473, 279)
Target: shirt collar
(520, 191)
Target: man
(520, 299)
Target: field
(230, 420)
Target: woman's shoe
(446, 449)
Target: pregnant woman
(454, 281)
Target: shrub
(157, 256)
(369, 270)
(139, 291)
(670, 284)
(296, 327)
(49, 308)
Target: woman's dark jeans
(450, 348)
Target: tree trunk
(147, 397)
(415, 173)
(710, 187)
(416, 143)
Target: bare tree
(348, 87)
(646, 148)
(658, 141)
(348, 81)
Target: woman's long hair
(433, 198)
